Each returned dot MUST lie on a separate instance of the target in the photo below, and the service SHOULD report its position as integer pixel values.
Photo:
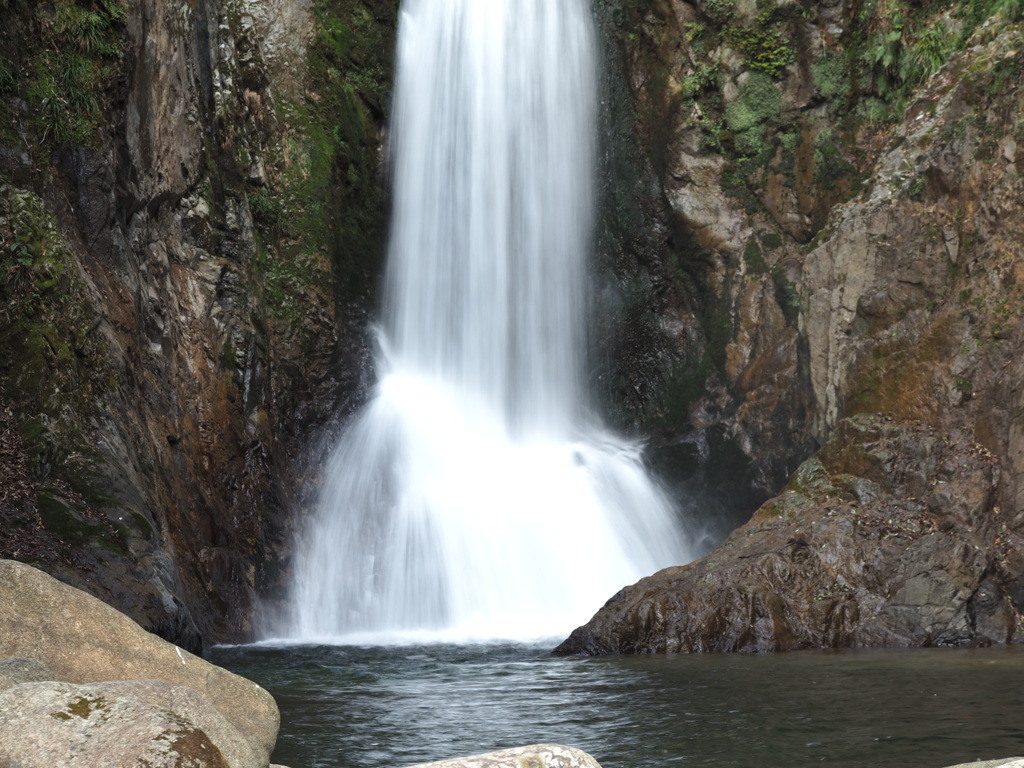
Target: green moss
(754, 259)
(700, 79)
(808, 475)
(759, 105)
(268, 211)
(323, 225)
(52, 366)
(718, 11)
(61, 520)
(735, 176)
(141, 524)
(831, 168)
(228, 357)
(48, 317)
(831, 75)
(763, 49)
(762, 97)
(751, 144)
(83, 707)
(787, 296)
(69, 523)
(8, 78)
(717, 322)
(681, 385)
(1005, 75)
(740, 117)
(71, 52)
(770, 240)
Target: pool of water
(364, 707)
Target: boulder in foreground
(149, 723)
(533, 756)
(83, 640)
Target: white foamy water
(474, 497)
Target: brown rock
(850, 554)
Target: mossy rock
(62, 520)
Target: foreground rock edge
(530, 756)
(150, 723)
(81, 640)
(561, 756)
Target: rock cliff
(840, 190)
(191, 219)
(809, 211)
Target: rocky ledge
(83, 685)
(890, 536)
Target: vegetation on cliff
(191, 224)
(847, 227)
(753, 122)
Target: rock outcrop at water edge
(117, 684)
(890, 536)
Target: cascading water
(474, 497)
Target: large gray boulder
(83, 640)
(532, 756)
(16, 671)
(149, 723)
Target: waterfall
(475, 496)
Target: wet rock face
(185, 322)
(713, 369)
(875, 270)
(823, 238)
(891, 535)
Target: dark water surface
(354, 707)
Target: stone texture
(82, 640)
(890, 536)
(127, 723)
(909, 302)
(533, 756)
(866, 267)
(862, 267)
(14, 671)
(174, 356)
(1011, 762)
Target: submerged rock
(82, 640)
(533, 756)
(889, 536)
